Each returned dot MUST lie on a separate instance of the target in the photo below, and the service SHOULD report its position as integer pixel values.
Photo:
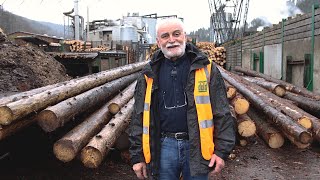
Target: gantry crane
(227, 19)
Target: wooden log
(93, 154)
(275, 88)
(6, 131)
(289, 87)
(121, 99)
(284, 122)
(288, 109)
(246, 127)
(66, 148)
(240, 104)
(265, 130)
(310, 105)
(56, 116)
(297, 143)
(3, 36)
(18, 109)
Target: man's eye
(164, 36)
(177, 34)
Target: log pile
(3, 36)
(276, 113)
(81, 46)
(216, 54)
(62, 101)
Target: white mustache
(174, 44)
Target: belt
(177, 136)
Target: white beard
(176, 53)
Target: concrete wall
(294, 34)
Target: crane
(226, 19)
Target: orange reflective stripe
(146, 121)
(204, 111)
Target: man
(179, 98)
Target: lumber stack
(216, 54)
(78, 45)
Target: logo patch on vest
(202, 86)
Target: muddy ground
(28, 155)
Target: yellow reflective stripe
(146, 121)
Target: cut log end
(231, 92)
(305, 137)
(91, 157)
(279, 91)
(276, 140)
(243, 142)
(6, 115)
(64, 151)
(114, 108)
(47, 120)
(305, 122)
(241, 106)
(247, 128)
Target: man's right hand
(141, 170)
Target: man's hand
(219, 163)
(141, 170)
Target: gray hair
(163, 21)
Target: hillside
(12, 23)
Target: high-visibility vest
(204, 113)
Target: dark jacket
(224, 132)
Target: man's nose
(172, 38)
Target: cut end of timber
(64, 151)
(48, 120)
(114, 108)
(6, 115)
(247, 128)
(305, 137)
(243, 142)
(276, 140)
(305, 122)
(241, 106)
(91, 157)
(279, 91)
(231, 92)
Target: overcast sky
(196, 14)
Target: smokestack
(76, 20)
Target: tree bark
(309, 105)
(121, 99)
(284, 122)
(289, 87)
(275, 88)
(18, 109)
(66, 148)
(93, 154)
(56, 116)
(269, 134)
(297, 143)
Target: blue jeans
(174, 160)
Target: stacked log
(289, 87)
(216, 54)
(66, 148)
(282, 121)
(272, 136)
(56, 116)
(93, 154)
(275, 88)
(18, 109)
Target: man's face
(171, 40)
